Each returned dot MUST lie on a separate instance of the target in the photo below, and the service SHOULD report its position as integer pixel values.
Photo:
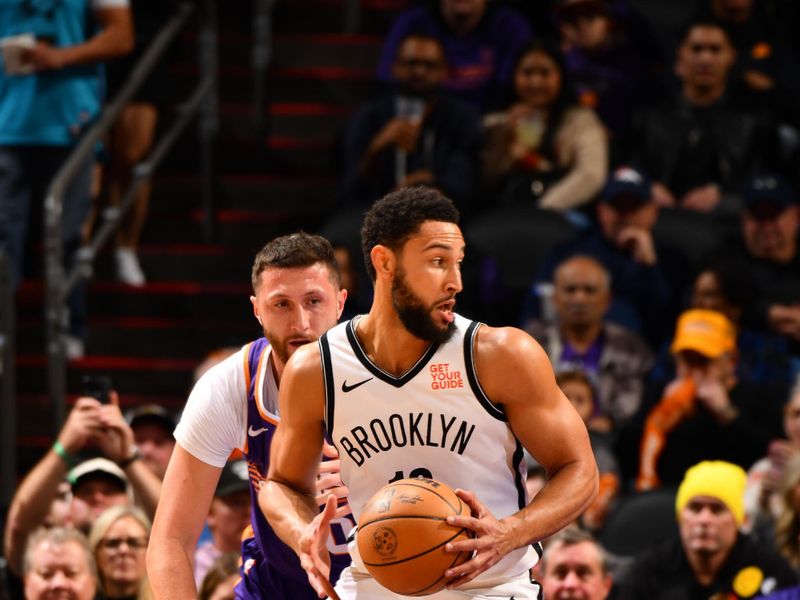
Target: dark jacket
(737, 143)
(664, 574)
(448, 147)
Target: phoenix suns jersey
(268, 565)
(432, 421)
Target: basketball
(402, 532)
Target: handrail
(8, 405)
(59, 284)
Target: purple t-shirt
(480, 62)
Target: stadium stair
(150, 339)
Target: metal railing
(203, 101)
(8, 404)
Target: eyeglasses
(134, 543)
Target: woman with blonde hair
(118, 540)
(787, 527)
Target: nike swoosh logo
(349, 388)
(254, 432)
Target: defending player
(412, 389)
(298, 296)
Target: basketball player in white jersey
(414, 389)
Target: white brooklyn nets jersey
(433, 421)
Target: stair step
(274, 154)
(246, 191)
(145, 375)
(154, 337)
(307, 121)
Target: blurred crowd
(669, 304)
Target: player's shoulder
(305, 360)
(504, 343)
(506, 348)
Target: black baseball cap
(151, 413)
(627, 185)
(767, 195)
(235, 477)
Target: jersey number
(418, 472)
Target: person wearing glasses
(118, 541)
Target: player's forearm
(287, 510)
(563, 499)
(169, 569)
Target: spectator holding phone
(90, 423)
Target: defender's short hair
(296, 250)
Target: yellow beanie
(717, 479)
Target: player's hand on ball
(490, 544)
(314, 556)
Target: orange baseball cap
(705, 331)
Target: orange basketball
(402, 532)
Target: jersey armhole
(327, 372)
(472, 376)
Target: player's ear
(340, 300)
(383, 259)
(255, 308)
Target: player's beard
(414, 315)
(280, 346)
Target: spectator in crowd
(354, 273)
(227, 519)
(705, 402)
(480, 39)
(762, 498)
(699, 146)
(221, 578)
(413, 134)
(646, 278)
(710, 557)
(770, 224)
(578, 389)
(612, 63)
(48, 97)
(545, 148)
(96, 484)
(152, 427)
(58, 563)
(575, 565)
(132, 135)
(615, 359)
(787, 525)
(118, 540)
(726, 287)
(766, 65)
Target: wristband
(124, 464)
(62, 453)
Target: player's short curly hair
(398, 215)
(296, 250)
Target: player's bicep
(517, 374)
(186, 494)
